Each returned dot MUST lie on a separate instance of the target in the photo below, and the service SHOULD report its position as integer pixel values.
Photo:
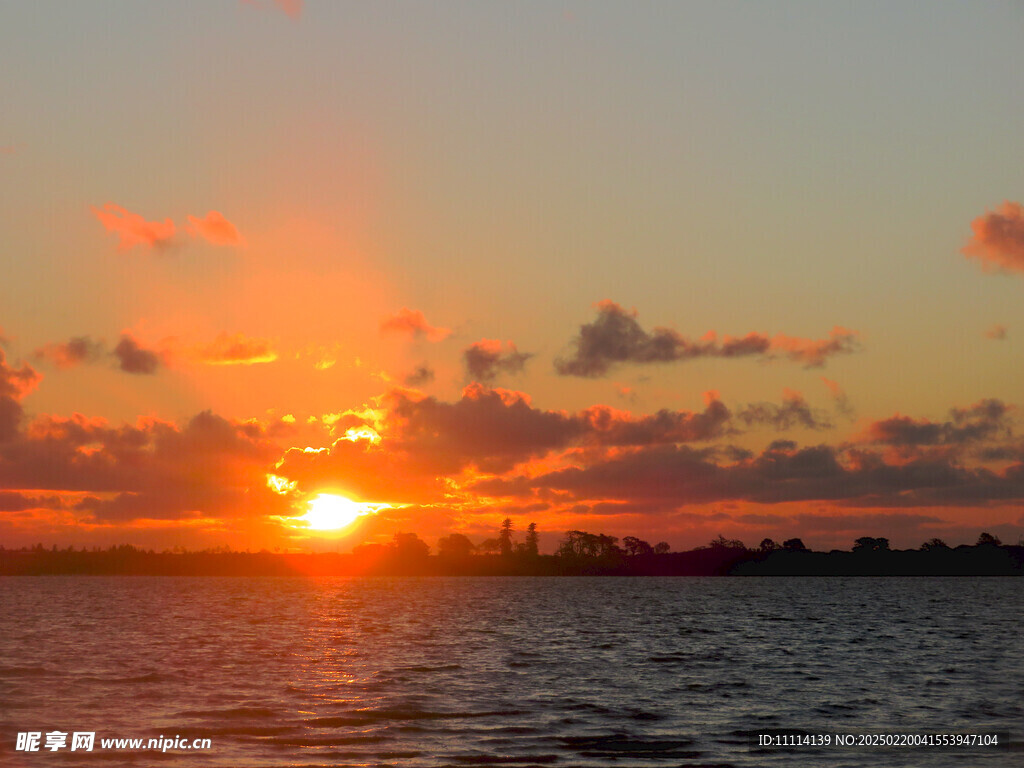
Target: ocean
(510, 671)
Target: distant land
(578, 556)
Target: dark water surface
(510, 671)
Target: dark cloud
(794, 412)
(19, 502)
(132, 358)
(487, 358)
(15, 383)
(676, 475)
(421, 375)
(609, 427)
(983, 420)
(617, 337)
(492, 430)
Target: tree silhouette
(505, 537)
(768, 545)
(871, 544)
(531, 548)
(794, 545)
(723, 543)
(934, 544)
(583, 544)
(409, 546)
(635, 546)
(988, 538)
(455, 545)
(662, 548)
(489, 547)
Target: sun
(328, 512)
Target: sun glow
(328, 512)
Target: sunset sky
(670, 270)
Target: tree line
(578, 553)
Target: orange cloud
(215, 228)
(209, 467)
(236, 350)
(998, 239)
(16, 383)
(412, 323)
(291, 7)
(132, 229)
(997, 332)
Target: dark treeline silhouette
(579, 553)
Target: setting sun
(328, 512)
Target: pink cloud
(998, 239)
(132, 229)
(412, 323)
(291, 7)
(812, 352)
(215, 228)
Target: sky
(668, 270)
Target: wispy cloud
(794, 411)
(839, 397)
(423, 374)
(413, 324)
(996, 332)
(75, 351)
